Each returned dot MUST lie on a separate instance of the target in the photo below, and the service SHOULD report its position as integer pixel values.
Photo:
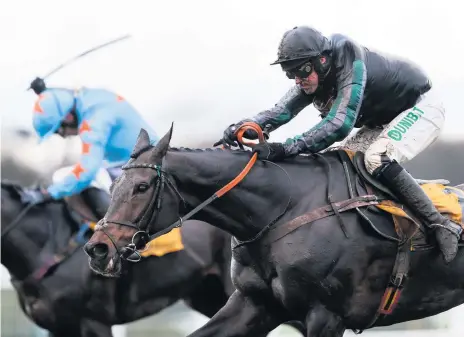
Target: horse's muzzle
(96, 251)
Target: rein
(16, 220)
(151, 212)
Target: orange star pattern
(84, 127)
(37, 107)
(85, 148)
(77, 171)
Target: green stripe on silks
(329, 117)
(356, 94)
(280, 119)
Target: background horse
(57, 290)
(310, 243)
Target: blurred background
(204, 65)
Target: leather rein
(149, 215)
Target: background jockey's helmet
(299, 45)
(50, 110)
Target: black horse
(310, 243)
(58, 292)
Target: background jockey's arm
(340, 120)
(285, 110)
(94, 135)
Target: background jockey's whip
(38, 84)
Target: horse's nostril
(98, 251)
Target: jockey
(353, 87)
(108, 127)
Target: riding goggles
(302, 71)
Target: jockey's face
(68, 127)
(305, 77)
(308, 84)
(66, 131)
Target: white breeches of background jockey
(403, 138)
(102, 180)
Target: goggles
(302, 71)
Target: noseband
(150, 214)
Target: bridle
(151, 212)
(148, 216)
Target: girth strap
(278, 232)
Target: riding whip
(38, 84)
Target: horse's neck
(33, 240)
(239, 211)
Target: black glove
(35, 196)
(230, 138)
(270, 151)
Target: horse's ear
(162, 146)
(143, 140)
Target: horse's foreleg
(240, 316)
(323, 323)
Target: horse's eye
(142, 188)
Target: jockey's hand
(230, 138)
(270, 151)
(36, 196)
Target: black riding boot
(98, 200)
(409, 192)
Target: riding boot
(98, 201)
(410, 192)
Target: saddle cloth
(448, 200)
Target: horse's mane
(207, 149)
(181, 149)
(230, 150)
(136, 153)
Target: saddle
(449, 200)
(372, 200)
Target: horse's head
(138, 196)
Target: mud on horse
(311, 240)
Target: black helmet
(300, 44)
